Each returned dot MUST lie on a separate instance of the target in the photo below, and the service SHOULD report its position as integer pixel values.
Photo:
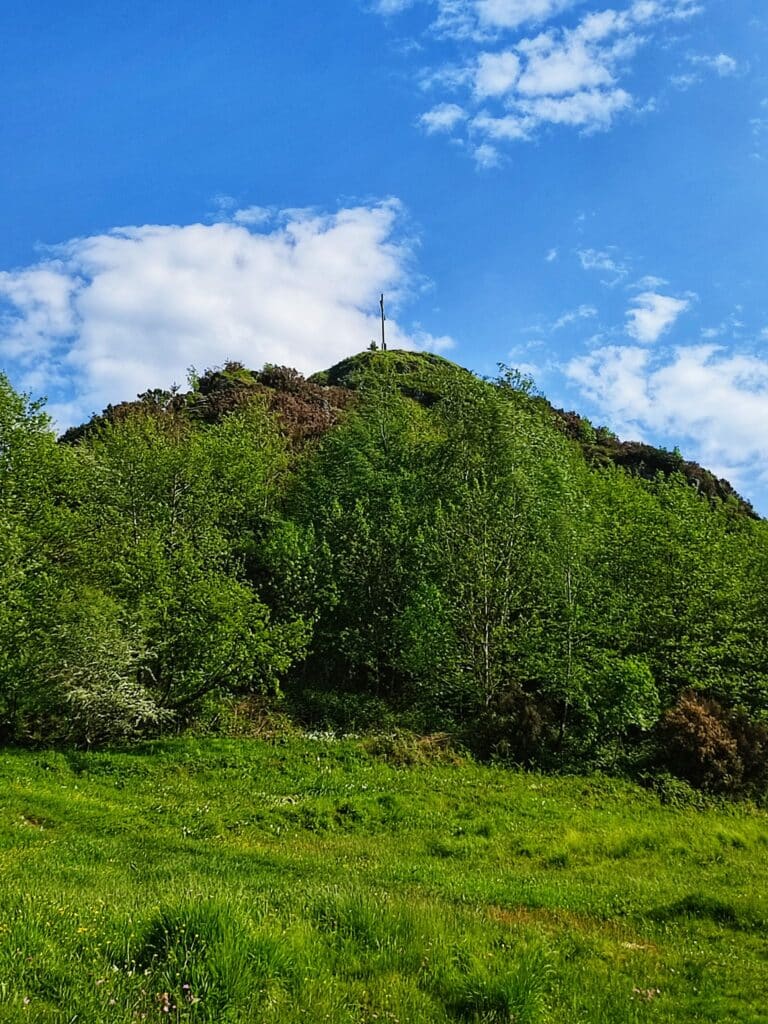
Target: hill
(391, 543)
(424, 376)
(308, 408)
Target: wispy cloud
(605, 260)
(389, 7)
(584, 312)
(558, 74)
(101, 318)
(442, 118)
(721, 64)
(498, 129)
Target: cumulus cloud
(614, 378)
(442, 118)
(46, 294)
(512, 13)
(101, 318)
(568, 63)
(496, 73)
(252, 215)
(711, 401)
(499, 128)
(651, 314)
(568, 74)
(591, 110)
(486, 156)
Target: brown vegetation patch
(405, 749)
(556, 920)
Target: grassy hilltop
(345, 881)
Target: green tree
(168, 518)
(32, 538)
(357, 496)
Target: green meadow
(313, 879)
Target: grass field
(315, 880)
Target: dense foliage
(393, 542)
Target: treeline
(399, 543)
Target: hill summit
(309, 407)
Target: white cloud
(252, 215)
(389, 7)
(605, 260)
(584, 312)
(652, 314)
(649, 283)
(713, 402)
(570, 74)
(731, 325)
(559, 65)
(46, 295)
(614, 378)
(684, 82)
(508, 127)
(450, 77)
(721, 64)
(442, 118)
(590, 110)
(426, 342)
(110, 315)
(552, 255)
(496, 73)
(512, 13)
(486, 156)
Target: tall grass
(315, 881)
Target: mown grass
(237, 881)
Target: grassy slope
(310, 881)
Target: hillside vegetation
(393, 543)
(358, 883)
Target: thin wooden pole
(383, 318)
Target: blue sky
(575, 187)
